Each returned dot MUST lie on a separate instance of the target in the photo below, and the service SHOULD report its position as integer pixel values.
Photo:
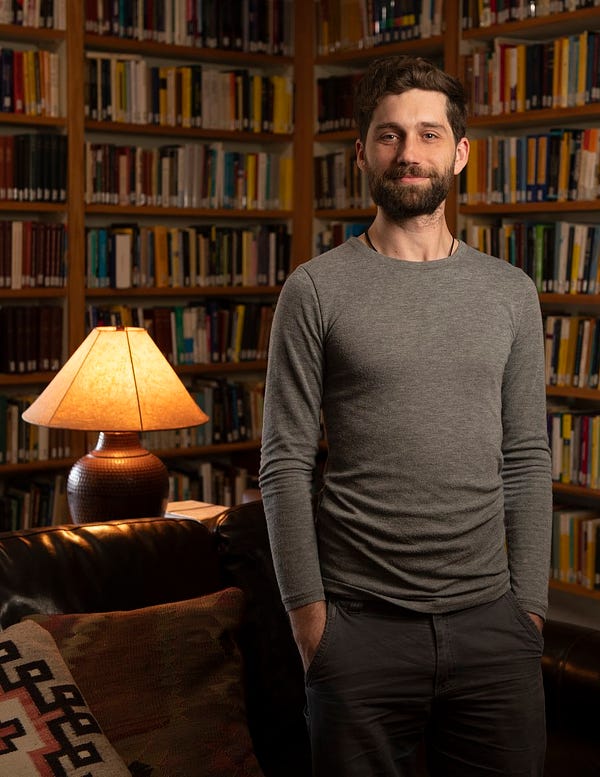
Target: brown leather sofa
(125, 565)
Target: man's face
(410, 155)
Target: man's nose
(407, 150)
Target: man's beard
(400, 201)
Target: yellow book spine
(161, 258)
(564, 160)
(565, 322)
(186, 96)
(251, 181)
(286, 183)
(556, 73)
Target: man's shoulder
(344, 259)
(495, 266)
(344, 252)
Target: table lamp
(117, 381)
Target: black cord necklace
(370, 242)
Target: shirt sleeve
(290, 439)
(526, 461)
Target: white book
(205, 512)
(123, 279)
(16, 255)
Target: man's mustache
(411, 171)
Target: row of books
(559, 165)
(29, 82)
(339, 182)
(521, 76)
(33, 503)
(31, 338)
(127, 88)
(212, 482)
(562, 257)
(575, 446)
(123, 256)
(33, 167)
(32, 254)
(572, 351)
(484, 13)
(357, 24)
(211, 333)
(575, 555)
(189, 175)
(337, 232)
(48, 14)
(21, 442)
(263, 26)
(234, 410)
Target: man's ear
(461, 156)
(360, 154)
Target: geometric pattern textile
(165, 683)
(46, 727)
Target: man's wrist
(538, 620)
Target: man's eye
(430, 136)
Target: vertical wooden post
(304, 132)
(75, 177)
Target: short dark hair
(397, 74)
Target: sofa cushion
(165, 683)
(46, 727)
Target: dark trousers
(467, 683)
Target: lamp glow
(117, 381)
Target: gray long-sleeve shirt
(430, 376)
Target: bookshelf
(134, 54)
(556, 217)
(34, 216)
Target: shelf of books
(146, 174)
(530, 194)
(188, 193)
(33, 252)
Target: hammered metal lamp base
(119, 479)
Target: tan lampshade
(117, 380)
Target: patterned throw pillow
(46, 727)
(165, 683)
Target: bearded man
(416, 580)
